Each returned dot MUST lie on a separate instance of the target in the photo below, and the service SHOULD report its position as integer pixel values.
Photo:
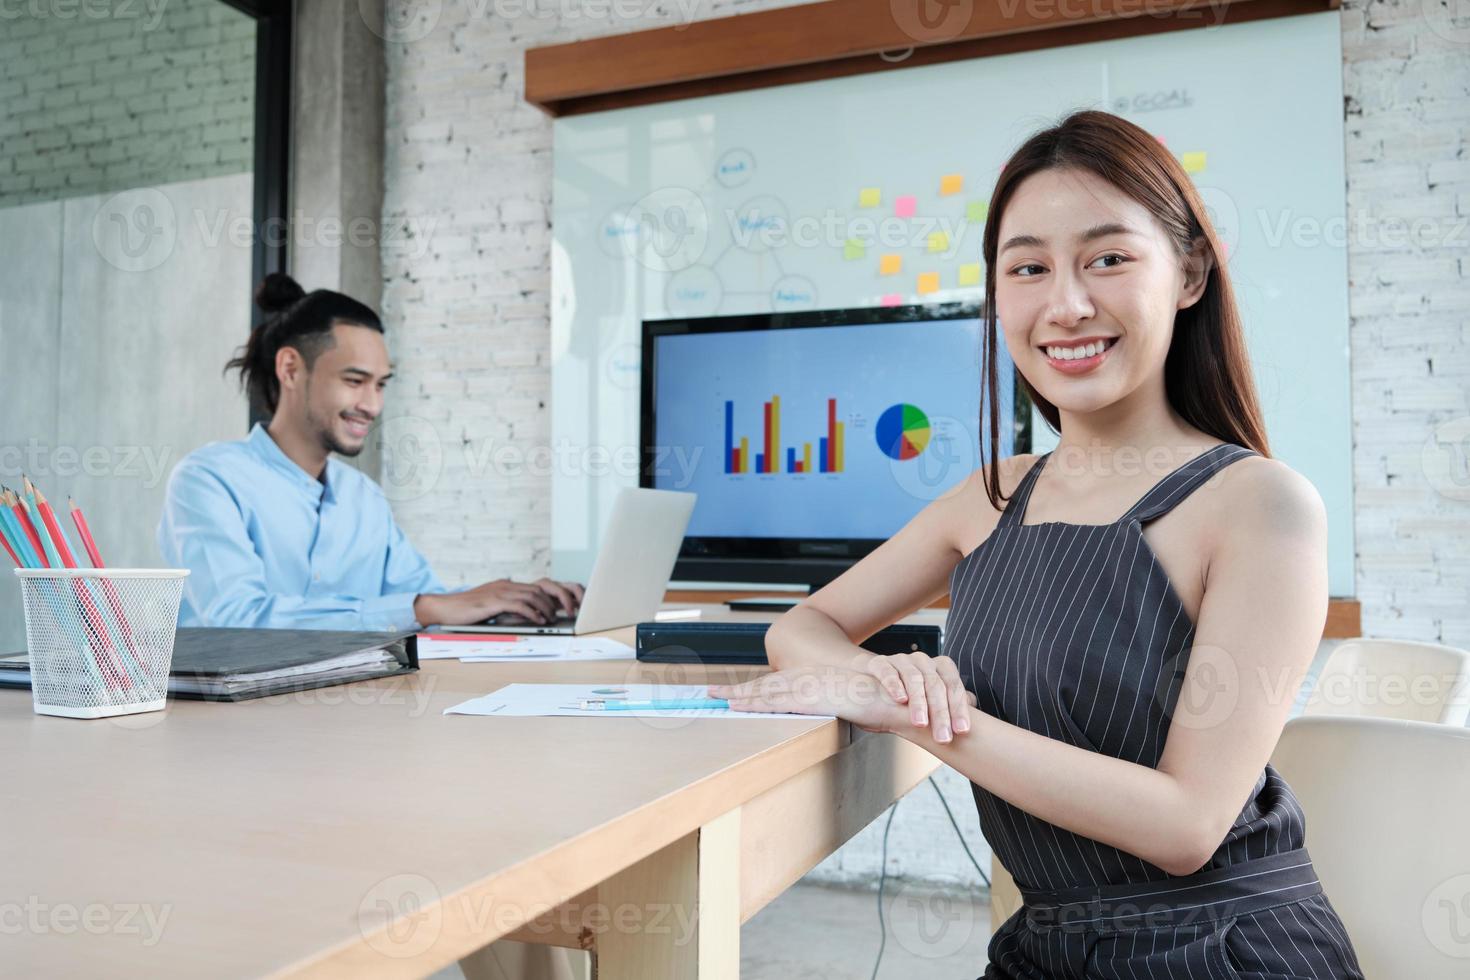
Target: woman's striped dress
(1074, 631)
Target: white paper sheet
(560, 700)
(471, 649)
(552, 648)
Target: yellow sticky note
(977, 211)
(970, 274)
(1193, 162)
(928, 283)
(854, 248)
(890, 264)
(951, 184)
(938, 241)
(870, 197)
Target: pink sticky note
(892, 299)
(904, 207)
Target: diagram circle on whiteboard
(695, 291)
(761, 224)
(667, 228)
(735, 167)
(793, 293)
(902, 431)
(951, 450)
(615, 235)
(622, 364)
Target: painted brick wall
(110, 94)
(1406, 78)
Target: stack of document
(237, 664)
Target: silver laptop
(631, 573)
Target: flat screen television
(811, 437)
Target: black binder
(240, 664)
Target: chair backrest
(1386, 803)
(1402, 679)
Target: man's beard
(329, 440)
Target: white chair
(1397, 679)
(1386, 802)
(1400, 679)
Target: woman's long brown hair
(1207, 372)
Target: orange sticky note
(928, 283)
(951, 184)
(890, 264)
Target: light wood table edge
(779, 839)
(464, 921)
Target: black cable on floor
(955, 824)
(883, 867)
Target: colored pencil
(48, 519)
(90, 544)
(85, 532)
(101, 628)
(17, 505)
(15, 542)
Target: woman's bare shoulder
(1010, 469)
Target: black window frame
(273, 20)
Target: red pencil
(80, 520)
(85, 533)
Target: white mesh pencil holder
(100, 639)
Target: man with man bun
(279, 534)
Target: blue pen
(672, 704)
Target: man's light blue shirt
(268, 545)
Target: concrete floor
(819, 932)
(816, 932)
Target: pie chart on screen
(903, 431)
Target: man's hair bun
(277, 292)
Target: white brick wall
(468, 170)
(1406, 78)
(111, 94)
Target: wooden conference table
(358, 831)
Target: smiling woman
(1113, 685)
